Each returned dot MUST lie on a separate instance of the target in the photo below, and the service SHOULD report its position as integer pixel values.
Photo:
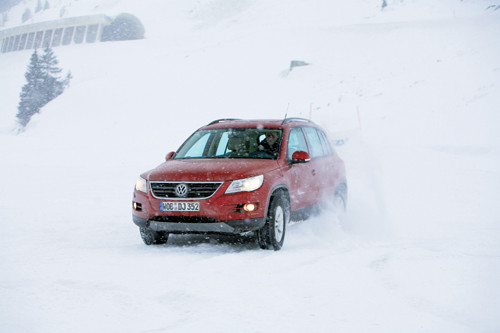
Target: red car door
(322, 164)
(302, 177)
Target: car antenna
(286, 112)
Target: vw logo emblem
(181, 190)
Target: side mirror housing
(300, 157)
(170, 155)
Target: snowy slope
(421, 253)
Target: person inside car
(270, 144)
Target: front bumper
(214, 226)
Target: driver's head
(272, 137)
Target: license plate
(179, 206)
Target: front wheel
(272, 235)
(149, 236)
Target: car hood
(210, 169)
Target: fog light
(249, 207)
(137, 206)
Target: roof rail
(221, 120)
(287, 120)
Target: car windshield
(232, 143)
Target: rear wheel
(149, 236)
(340, 198)
(340, 207)
(339, 204)
(272, 235)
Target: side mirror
(300, 157)
(170, 155)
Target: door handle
(313, 172)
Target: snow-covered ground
(414, 90)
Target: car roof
(257, 123)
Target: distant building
(74, 30)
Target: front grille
(195, 190)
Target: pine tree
(43, 85)
(53, 86)
(30, 98)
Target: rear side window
(326, 144)
(315, 141)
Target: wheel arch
(278, 190)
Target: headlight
(245, 185)
(141, 185)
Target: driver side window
(296, 142)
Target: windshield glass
(232, 143)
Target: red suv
(236, 176)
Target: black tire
(272, 235)
(149, 236)
(340, 198)
(340, 209)
(339, 203)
